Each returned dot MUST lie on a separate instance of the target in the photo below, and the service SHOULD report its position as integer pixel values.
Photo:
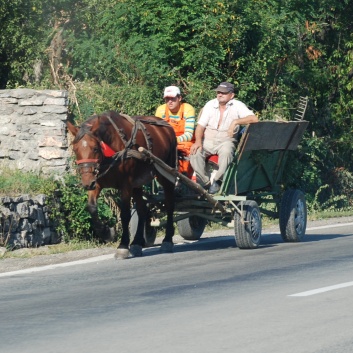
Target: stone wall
(25, 222)
(33, 137)
(33, 133)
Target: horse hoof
(122, 254)
(112, 234)
(109, 236)
(167, 247)
(136, 250)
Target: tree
(21, 24)
(120, 54)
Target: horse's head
(86, 146)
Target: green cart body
(261, 156)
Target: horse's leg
(138, 241)
(101, 230)
(125, 216)
(167, 244)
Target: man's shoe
(215, 187)
(178, 190)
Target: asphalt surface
(206, 297)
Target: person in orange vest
(182, 118)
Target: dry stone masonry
(33, 130)
(33, 137)
(25, 222)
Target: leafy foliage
(69, 212)
(21, 24)
(121, 54)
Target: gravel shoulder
(29, 258)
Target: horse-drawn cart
(251, 181)
(127, 153)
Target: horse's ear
(73, 129)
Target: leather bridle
(89, 165)
(86, 166)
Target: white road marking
(320, 227)
(322, 290)
(330, 226)
(54, 266)
(329, 288)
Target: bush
(69, 212)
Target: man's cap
(225, 87)
(171, 91)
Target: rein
(128, 151)
(93, 165)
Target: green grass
(15, 182)
(314, 216)
(267, 221)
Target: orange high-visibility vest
(184, 147)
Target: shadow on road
(269, 239)
(204, 244)
(228, 241)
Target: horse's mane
(86, 126)
(84, 129)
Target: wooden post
(174, 172)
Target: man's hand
(199, 133)
(232, 128)
(195, 147)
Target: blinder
(88, 166)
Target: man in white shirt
(216, 133)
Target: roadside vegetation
(67, 202)
(120, 54)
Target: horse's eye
(96, 150)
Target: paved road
(209, 296)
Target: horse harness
(93, 165)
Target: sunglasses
(219, 92)
(167, 99)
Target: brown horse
(106, 154)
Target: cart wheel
(248, 234)
(293, 216)
(149, 232)
(191, 228)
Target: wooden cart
(252, 182)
